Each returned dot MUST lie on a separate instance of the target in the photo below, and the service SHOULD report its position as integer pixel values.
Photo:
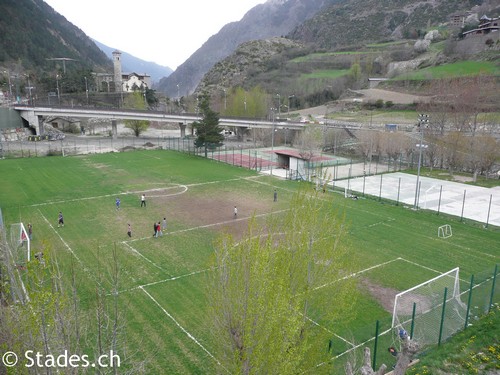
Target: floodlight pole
(422, 119)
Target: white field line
(254, 179)
(427, 268)
(163, 281)
(357, 273)
(183, 329)
(135, 251)
(353, 348)
(214, 224)
(421, 266)
(84, 267)
(185, 187)
(327, 330)
(25, 292)
(460, 248)
(345, 278)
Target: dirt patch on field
(216, 213)
(385, 296)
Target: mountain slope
(131, 64)
(359, 22)
(273, 18)
(33, 32)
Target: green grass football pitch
(162, 294)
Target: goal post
(20, 242)
(430, 306)
(444, 231)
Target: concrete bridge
(35, 117)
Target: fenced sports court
(464, 201)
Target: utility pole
(423, 120)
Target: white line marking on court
(357, 273)
(183, 329)
(214, 224)
(138, 192)
(116, 194)
(142, 256)
(84, 267)
(164, 280)
(327, 330)
(425, 267)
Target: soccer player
(60, 221)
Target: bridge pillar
(39, 126)
(114, 129)
(240, 133)
(183, 129)
(34, 121)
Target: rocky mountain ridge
(272, 19)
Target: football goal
(20, 243)
(431, 310)
(444, 231)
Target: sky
(166, 32)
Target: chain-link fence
(478, 298)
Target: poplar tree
(273, 293)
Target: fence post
(418, 194)
(439, 203)
(399, 189)
(489, 208)
(469, 301)
(380, 190)
(364, 178)
(493, 287)
(463, 205)
(375, 345)
(442, 317)
(413, 319)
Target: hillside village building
(119, 81)
(486, 26)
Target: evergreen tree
(208, 131)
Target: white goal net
(20, 243)
(444, 231)
(433, 309)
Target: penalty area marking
(188, 334)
